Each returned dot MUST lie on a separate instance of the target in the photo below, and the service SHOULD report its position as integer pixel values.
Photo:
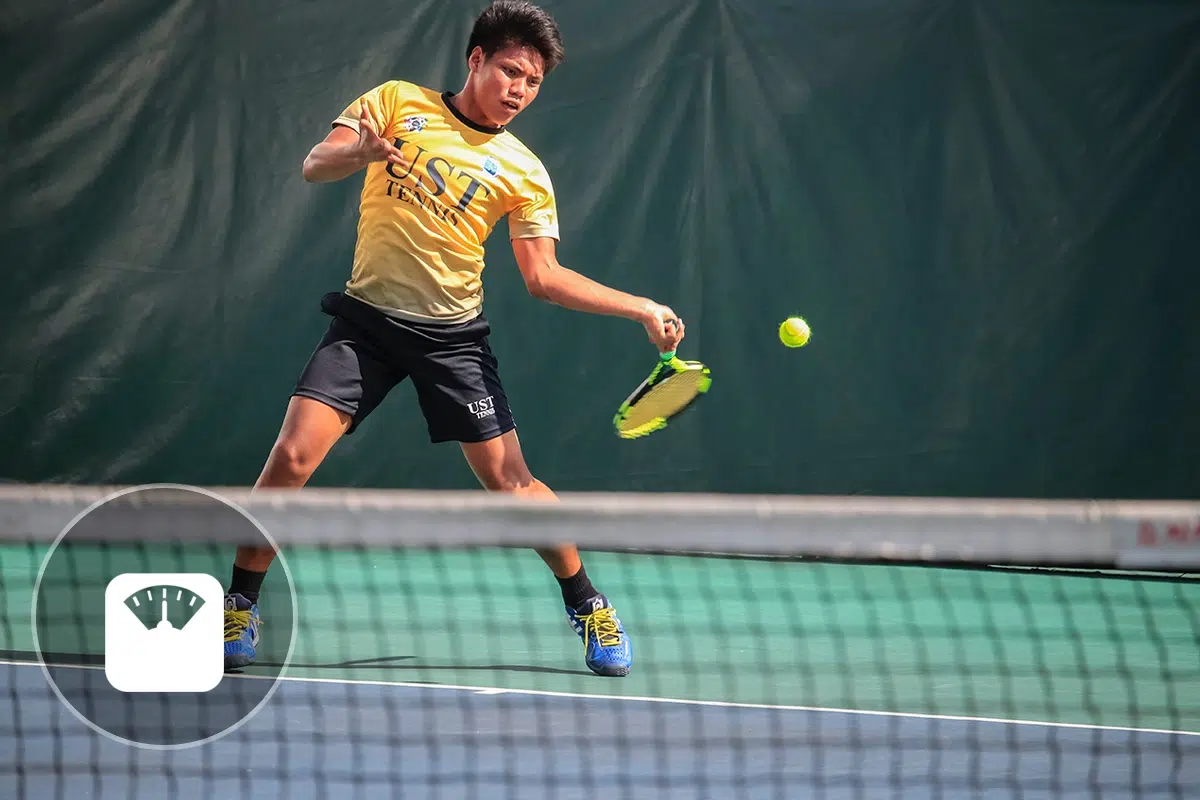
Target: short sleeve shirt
(422, 224)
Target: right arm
(346, 151)
(533, 228)
(548, 280)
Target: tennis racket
(671, 387)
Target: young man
(441, 170)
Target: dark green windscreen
(986, 210)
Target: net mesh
(783, 648)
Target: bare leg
(500, 467)
(310, 429)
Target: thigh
(459, 389)
(349, 371)
(309, 431)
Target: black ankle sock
(246, 583)
(577, 590)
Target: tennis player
(442, 168)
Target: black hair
(507, 23)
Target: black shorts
(366, 353)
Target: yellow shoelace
(235, 623)
(604, 623)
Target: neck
(467, 104)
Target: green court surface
(1008, 645)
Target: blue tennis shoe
(241, 631)
(607, 650)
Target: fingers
(365, 123)
(675, 328)
(392, 153)
(669, 333)
(675, 334)
(369, 141)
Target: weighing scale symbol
(164, 632)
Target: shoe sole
(610, 672)
(237, 662)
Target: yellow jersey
(422, 225)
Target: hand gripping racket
(670, 388)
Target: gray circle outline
(287, 660)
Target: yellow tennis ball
(794, 332)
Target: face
(506, 83)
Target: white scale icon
(164, 632)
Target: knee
(292, 458)
(506, 477)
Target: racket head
(668, 391)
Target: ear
(476, 59)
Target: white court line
(495, 690)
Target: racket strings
(666, 399)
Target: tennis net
(783, 648)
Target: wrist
(644, 310)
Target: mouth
(511, 105)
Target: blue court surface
(341, 739)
